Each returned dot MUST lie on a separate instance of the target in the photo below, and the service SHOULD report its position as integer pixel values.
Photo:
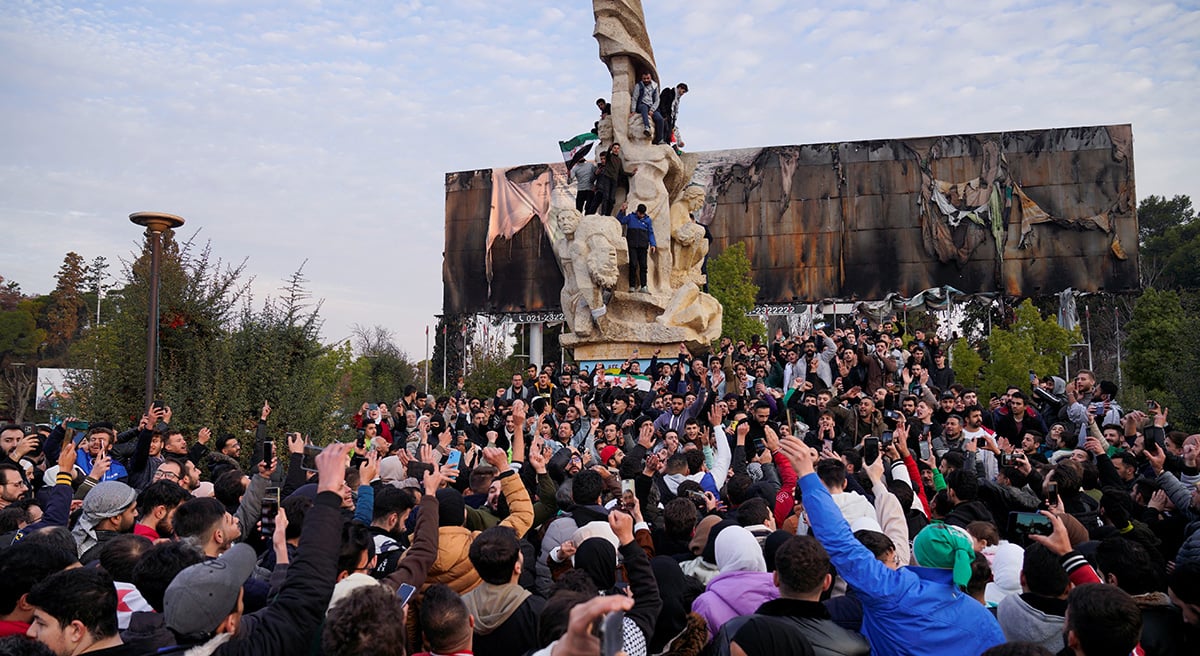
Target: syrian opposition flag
(576, 148)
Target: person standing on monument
(584, 176)
(645, 98)
(668, 106)
(605, 194)
(639, 235)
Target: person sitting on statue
(645, 98)
(639, 235)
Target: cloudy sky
(295, 131)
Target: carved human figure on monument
(651, 165)
(688, 245)
(589, 254)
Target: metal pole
(152, 320)
(1087, 318)
(1117, 335)
(155, 223)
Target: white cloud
(322, 132)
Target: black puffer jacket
(813, 620)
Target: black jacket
(288, 625)
(813, 620)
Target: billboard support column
(535, 344)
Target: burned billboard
(1025, 213)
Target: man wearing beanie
(109, 509)
(912, 610)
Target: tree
(1155, 332)
(97, 282)
(20, 379)
(382, 368)
(1170, 242)
(452, 337)
(1029, 343)
(731, 282)
(66, 303)
(1180, 369)
(221, 354)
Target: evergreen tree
(731, 282)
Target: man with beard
(388, 519)
(156, 509)
(109, 509)
(13, 488)
(826, 355)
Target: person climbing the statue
(645, 98)
(639, 236)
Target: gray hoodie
(1024, 623)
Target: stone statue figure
(688, 245)
(589, 253)
(606, 321)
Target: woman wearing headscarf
(598, 558)
(743, 584)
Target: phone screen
(1052, 493)
(268, 453)
(1023, 524)
(404, 593)
(310, 457)
(870, 451)
(270, 510)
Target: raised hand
(100, 466)
(802, 457)
(331, 467)
(622, 526)
(66, 460)
(426, 455)
(204, 435)
(496, 457)
(369, 468)
(1058, 542)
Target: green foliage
(490, 367)
(1028, 343)
(966, 362)
(1155, 331)
(1170, 248)
(20, 336)
(730, 281)
(220, 357)
(449, 342)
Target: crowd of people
(835, 492)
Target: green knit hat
(946, 547)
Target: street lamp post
(155, 223)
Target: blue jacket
(634, 222)
(913, 610)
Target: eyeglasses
(166, 474)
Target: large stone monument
(607, 320)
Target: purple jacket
(732, 594)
